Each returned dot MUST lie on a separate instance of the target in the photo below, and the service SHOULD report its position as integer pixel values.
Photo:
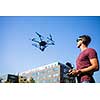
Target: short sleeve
(92, 53)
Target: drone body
(42, 43)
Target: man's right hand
(74, 72)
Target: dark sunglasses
(78, 40)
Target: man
(87, 61)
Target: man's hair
(86, 39)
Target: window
(34, 74)
(25, 79)
(54, 75)
(43, 81)
(48, 71)
(37, 78)
(49, 75)
(56, 80)
(55, 69)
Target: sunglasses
(78, 40)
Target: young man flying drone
(87, 61)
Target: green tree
(31, 80)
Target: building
(3, 78)
(12, 78)
(9, 78)
(22, 79)
(52, 73)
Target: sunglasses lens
(78, 40)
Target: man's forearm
(88, 69)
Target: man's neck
(83, 47)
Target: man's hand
(74, 72)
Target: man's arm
(92, 55)
(94, 67)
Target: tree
(31, 80)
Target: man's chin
(78, 46)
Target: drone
(41, 43)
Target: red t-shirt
(83, 61)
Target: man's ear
(81, 41)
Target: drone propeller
(38, 34)
(34, 40)
(50, 40)
(50, 37)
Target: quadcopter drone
(41, 43)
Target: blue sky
(17, 53)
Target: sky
(17, 53)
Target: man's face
(79, 42)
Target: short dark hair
(86, 39)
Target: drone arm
(51, 44)
(40, 36)
(34, 40)
(42, 48)
(35, 45)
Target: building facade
(52, 73)
(9, 78)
